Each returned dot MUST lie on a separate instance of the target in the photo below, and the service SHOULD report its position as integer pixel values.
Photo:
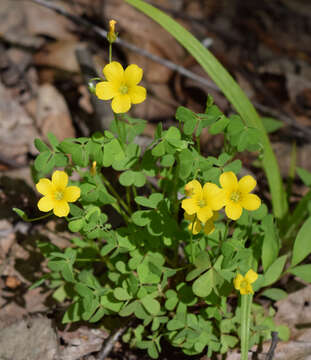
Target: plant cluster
(137, 256)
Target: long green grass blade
(233, 93)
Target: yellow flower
(197, 227)
(236, 194)
(112, 36)
(57, 194)
(209, 226)
(121, 86)
(243, 283)
(202, 202)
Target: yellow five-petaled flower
(121, 86)
(57, 194)
(243, 283)
(236, 194)
(202, 201)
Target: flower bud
(112, 36)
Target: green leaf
(121, 294)
(188, 117)
(128, 309)
(274, 271)
(151, 305)
(270, 246)
(127, 178)
(76, 225)
(45, 162)
(41, 146)
(60, 294)
(73, 313)
(152, 350)
(302, 245)
(151, 202)
(271, 125)
(139, 179)
(21, 214)
(112, 152)
(141, 217)
(83, 290)
(233, 93)
(158, 150)
(204, 285)
(167, 160)
(186, 160)
(304, 175)
(53, 140)
(234, 166)
(100, 313)
(275, 294)
(219, 126)
(302, 271)
(283, 332)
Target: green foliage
(132, 255)
(234, 94)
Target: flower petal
(114, 72)
(46, 204)
(193, 187)
(133, 75)
(121, 103)
(229, 181)
(233, 210)
(61, 208)
(246, 184)
(190, 206)
(250, 202)
(59, 179)
(197, 227)
(209, 227)
(105, 90)
(137, 94)
(213, 196)
(237, 281)
(251, 276)
(45, 186)
(204, 213)
(72, 193)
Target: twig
(303, 132)
(104, 352)
(274, 342)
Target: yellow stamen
(244, 284)
(123, 89)
(59, 195)
(235, 196)
(202, 203)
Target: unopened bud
(93, 168)
(112, 36)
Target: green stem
(246, 301)
(135, 195)
(191, 239)
(110, 52)
(128, 198)
(113, 191)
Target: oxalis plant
(165, 239)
